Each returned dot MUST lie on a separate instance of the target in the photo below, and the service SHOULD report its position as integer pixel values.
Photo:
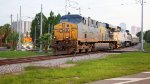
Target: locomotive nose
(65, 36)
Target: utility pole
(48, 28)
(11, 20)
(20, 27)
(48, 33)
(79, 11)
(17, 22)
(12, 31)
(35, 36)
(41, 30)
(142, 49)
(17, 31)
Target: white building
(26, 26)
(123, 26)
(135, 30)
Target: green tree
(139, 35)
(46, 40)
(7, 30)
(36, 24)
(12, 40)
(147, 36)
(1, 30)
(53, 20)
(4, 31)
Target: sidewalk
(141, 78)
(3, 49)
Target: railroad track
(37, 58)
(42, 58)
(30, 59)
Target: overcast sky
(110, 11)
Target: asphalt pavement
(140, 78)
(3, 48)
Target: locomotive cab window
(71, 18)
(83, 21)
(85, 35)
(97, 24)
(92, 22)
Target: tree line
(47, 24)
(146, 36)
(47, 28)
(8, 36)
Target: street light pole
(20, 28)
(11, 20)
(142, 49)
(48, 33)
(41, 30)
(35, 35)
(17, 22)
(79, 11)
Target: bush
(148, 41)
(12, 40)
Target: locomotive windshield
(71, 18)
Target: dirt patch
(18, 73)
(77, 77)
(67, 65)
(2, 58)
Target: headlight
(67, 37)
(24, 46)
(60, 30)
(30, 46)
(27, 44)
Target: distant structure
(123, 27)
(26, 26)
(135, 30)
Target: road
(141, 78)
(3, 49)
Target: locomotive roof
(71, 15)
(79, 16)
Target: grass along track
(84, 71)
(19, 54)
(147, 47)
(49, 57)
(29, 58)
